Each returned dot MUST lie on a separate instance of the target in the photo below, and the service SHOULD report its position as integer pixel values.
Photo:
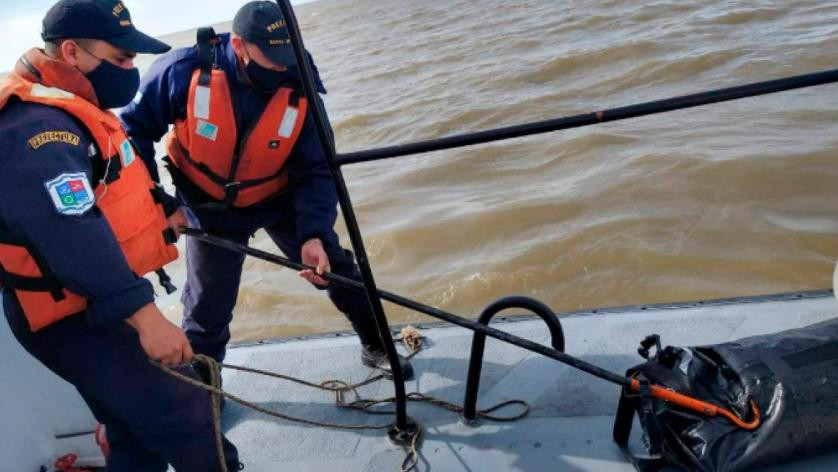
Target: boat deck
(571, 420)
(569, 428)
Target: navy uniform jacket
(80, 249)
(162, 100)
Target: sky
(20, 20)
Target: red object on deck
(67, 463)
(102, 440)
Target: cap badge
(275, 26)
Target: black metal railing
(597, 117)
(404, 426)
(328, 142)
(478, 344)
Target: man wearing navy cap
(81, 221)
(244, 155)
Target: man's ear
(70, 52)
(238, 45)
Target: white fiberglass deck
(568, 429)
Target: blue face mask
(115, 87)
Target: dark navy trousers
(151, 418)
(214, 274)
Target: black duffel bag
(792, 377)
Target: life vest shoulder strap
(207, 50)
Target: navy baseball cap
(107, 20)
(262, 24)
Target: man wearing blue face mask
(244, 155)
(81, 222)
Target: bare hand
(313, 254)
(176, 220)
(160, 339)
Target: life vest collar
(36, 66)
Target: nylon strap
(629, 404)
(47, 282)
(206, 50)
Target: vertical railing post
(478, 344)
(328, 143)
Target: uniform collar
(36, 66)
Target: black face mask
(265, 80)
(115, 87)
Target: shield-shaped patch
(71, 193)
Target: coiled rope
(409, 336)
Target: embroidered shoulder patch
(71, 193)
(47, 137)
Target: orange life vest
(127, 198)
(239, 167)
